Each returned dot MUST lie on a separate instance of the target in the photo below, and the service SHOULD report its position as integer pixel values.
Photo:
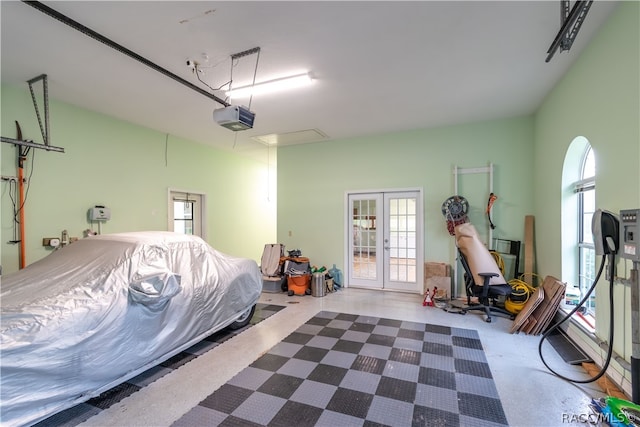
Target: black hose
(603, 370)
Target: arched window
(578, 206)
(586, 189)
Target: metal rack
(457, 171)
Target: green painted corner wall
(599, 98)
(314, 178)
(129, 169)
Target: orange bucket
(298, 284)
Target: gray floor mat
(342, 370)
(82, 412)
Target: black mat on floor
(349, 370)
(567, 349)
(82, 412)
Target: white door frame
(419, 238)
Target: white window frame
(585, 246)
(575, 241)
(200, 213)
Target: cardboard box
(437, 274)
(436, 269)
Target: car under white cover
(104, 309)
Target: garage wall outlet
(52, 242)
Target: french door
(385, 240)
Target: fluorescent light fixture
(275, 85)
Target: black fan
(455, 210)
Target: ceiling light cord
(223, 85)
(197, 72)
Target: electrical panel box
(630, 234)
(99, 213)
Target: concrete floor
(531, 395)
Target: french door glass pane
(364, 239)
(402, 240)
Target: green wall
(313, 180)
(599, 98)
(124, 166)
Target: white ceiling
(378, 66)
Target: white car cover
(104, 309)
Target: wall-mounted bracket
(571, 22)
(245, 53)
(44, 127)
(31, 144)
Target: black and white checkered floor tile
(82, 412)
(350, 370)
